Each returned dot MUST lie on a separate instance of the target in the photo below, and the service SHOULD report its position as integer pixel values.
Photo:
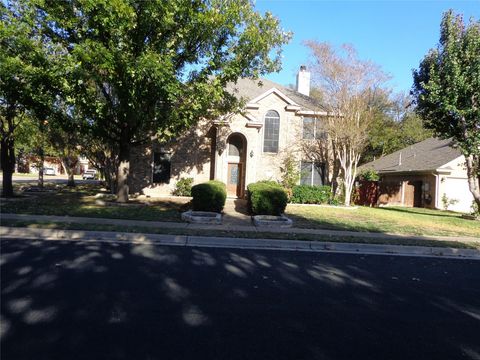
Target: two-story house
(241, 148)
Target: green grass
(240, 234)
(80, 201)
(399, 220)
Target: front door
(234, 180)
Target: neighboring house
(422, 174)
(241, 148)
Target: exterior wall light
(251, 153)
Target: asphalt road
(80, 300)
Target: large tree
(447, 91)
(349, 89)
(138, 69)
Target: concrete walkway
(232, 224)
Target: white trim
(252, 106)
(276, 92)
(311, 112)
(250, 118)
(292, 108)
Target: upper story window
(271, 131)
(313, 129)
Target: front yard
(399, 220)
(81, 202)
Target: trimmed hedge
(306, 194)
(266, 198)
(209, 196)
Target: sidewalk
(229, 226)
(235, 243)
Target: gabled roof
(427, 155)
(249, 89)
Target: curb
(238, 243)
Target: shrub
(306, 194)
(266, 198)
(369, 175)
(209, 196)
(290, 174)
(183, 187)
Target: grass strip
(240, 234)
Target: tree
(395, 126)
(138, 69)
(24, 82)
(447, 91)
(349, 88)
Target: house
(422, 175)
(240, 148)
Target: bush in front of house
(183, 187)
(307, 194)
(266, 198)
(209, 196)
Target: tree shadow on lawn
(421, 211)
(86, 300)
(335, 224)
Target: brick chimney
(303, 81)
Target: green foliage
(369, 175)
(134, 68)
(447, 84)
(446, 202)
(447, 90)
(475, 209)
(395, 127)
(306, 194)
(209, 196)
(183, 187)
(290, 174)
(266, 198)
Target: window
(235, 146)
(271, 132)
(313, 129)
(161, 168)
(312, 173)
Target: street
(92, 300)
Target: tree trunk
(8, 164)
(7, 152)
(40, 168)
(69, 166)
(123, 174)
(474, 178)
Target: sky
(394, 34)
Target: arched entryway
(236, 159)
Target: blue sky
(394, 34)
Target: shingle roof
(427, 155)
(249, 89)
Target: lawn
(80, 201)
(399, 220)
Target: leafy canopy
(136, 68)
(447, 84)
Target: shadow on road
(81, 300)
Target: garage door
(458, 189)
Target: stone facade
(203, 152)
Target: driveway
(87, 300)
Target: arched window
(271, 131)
